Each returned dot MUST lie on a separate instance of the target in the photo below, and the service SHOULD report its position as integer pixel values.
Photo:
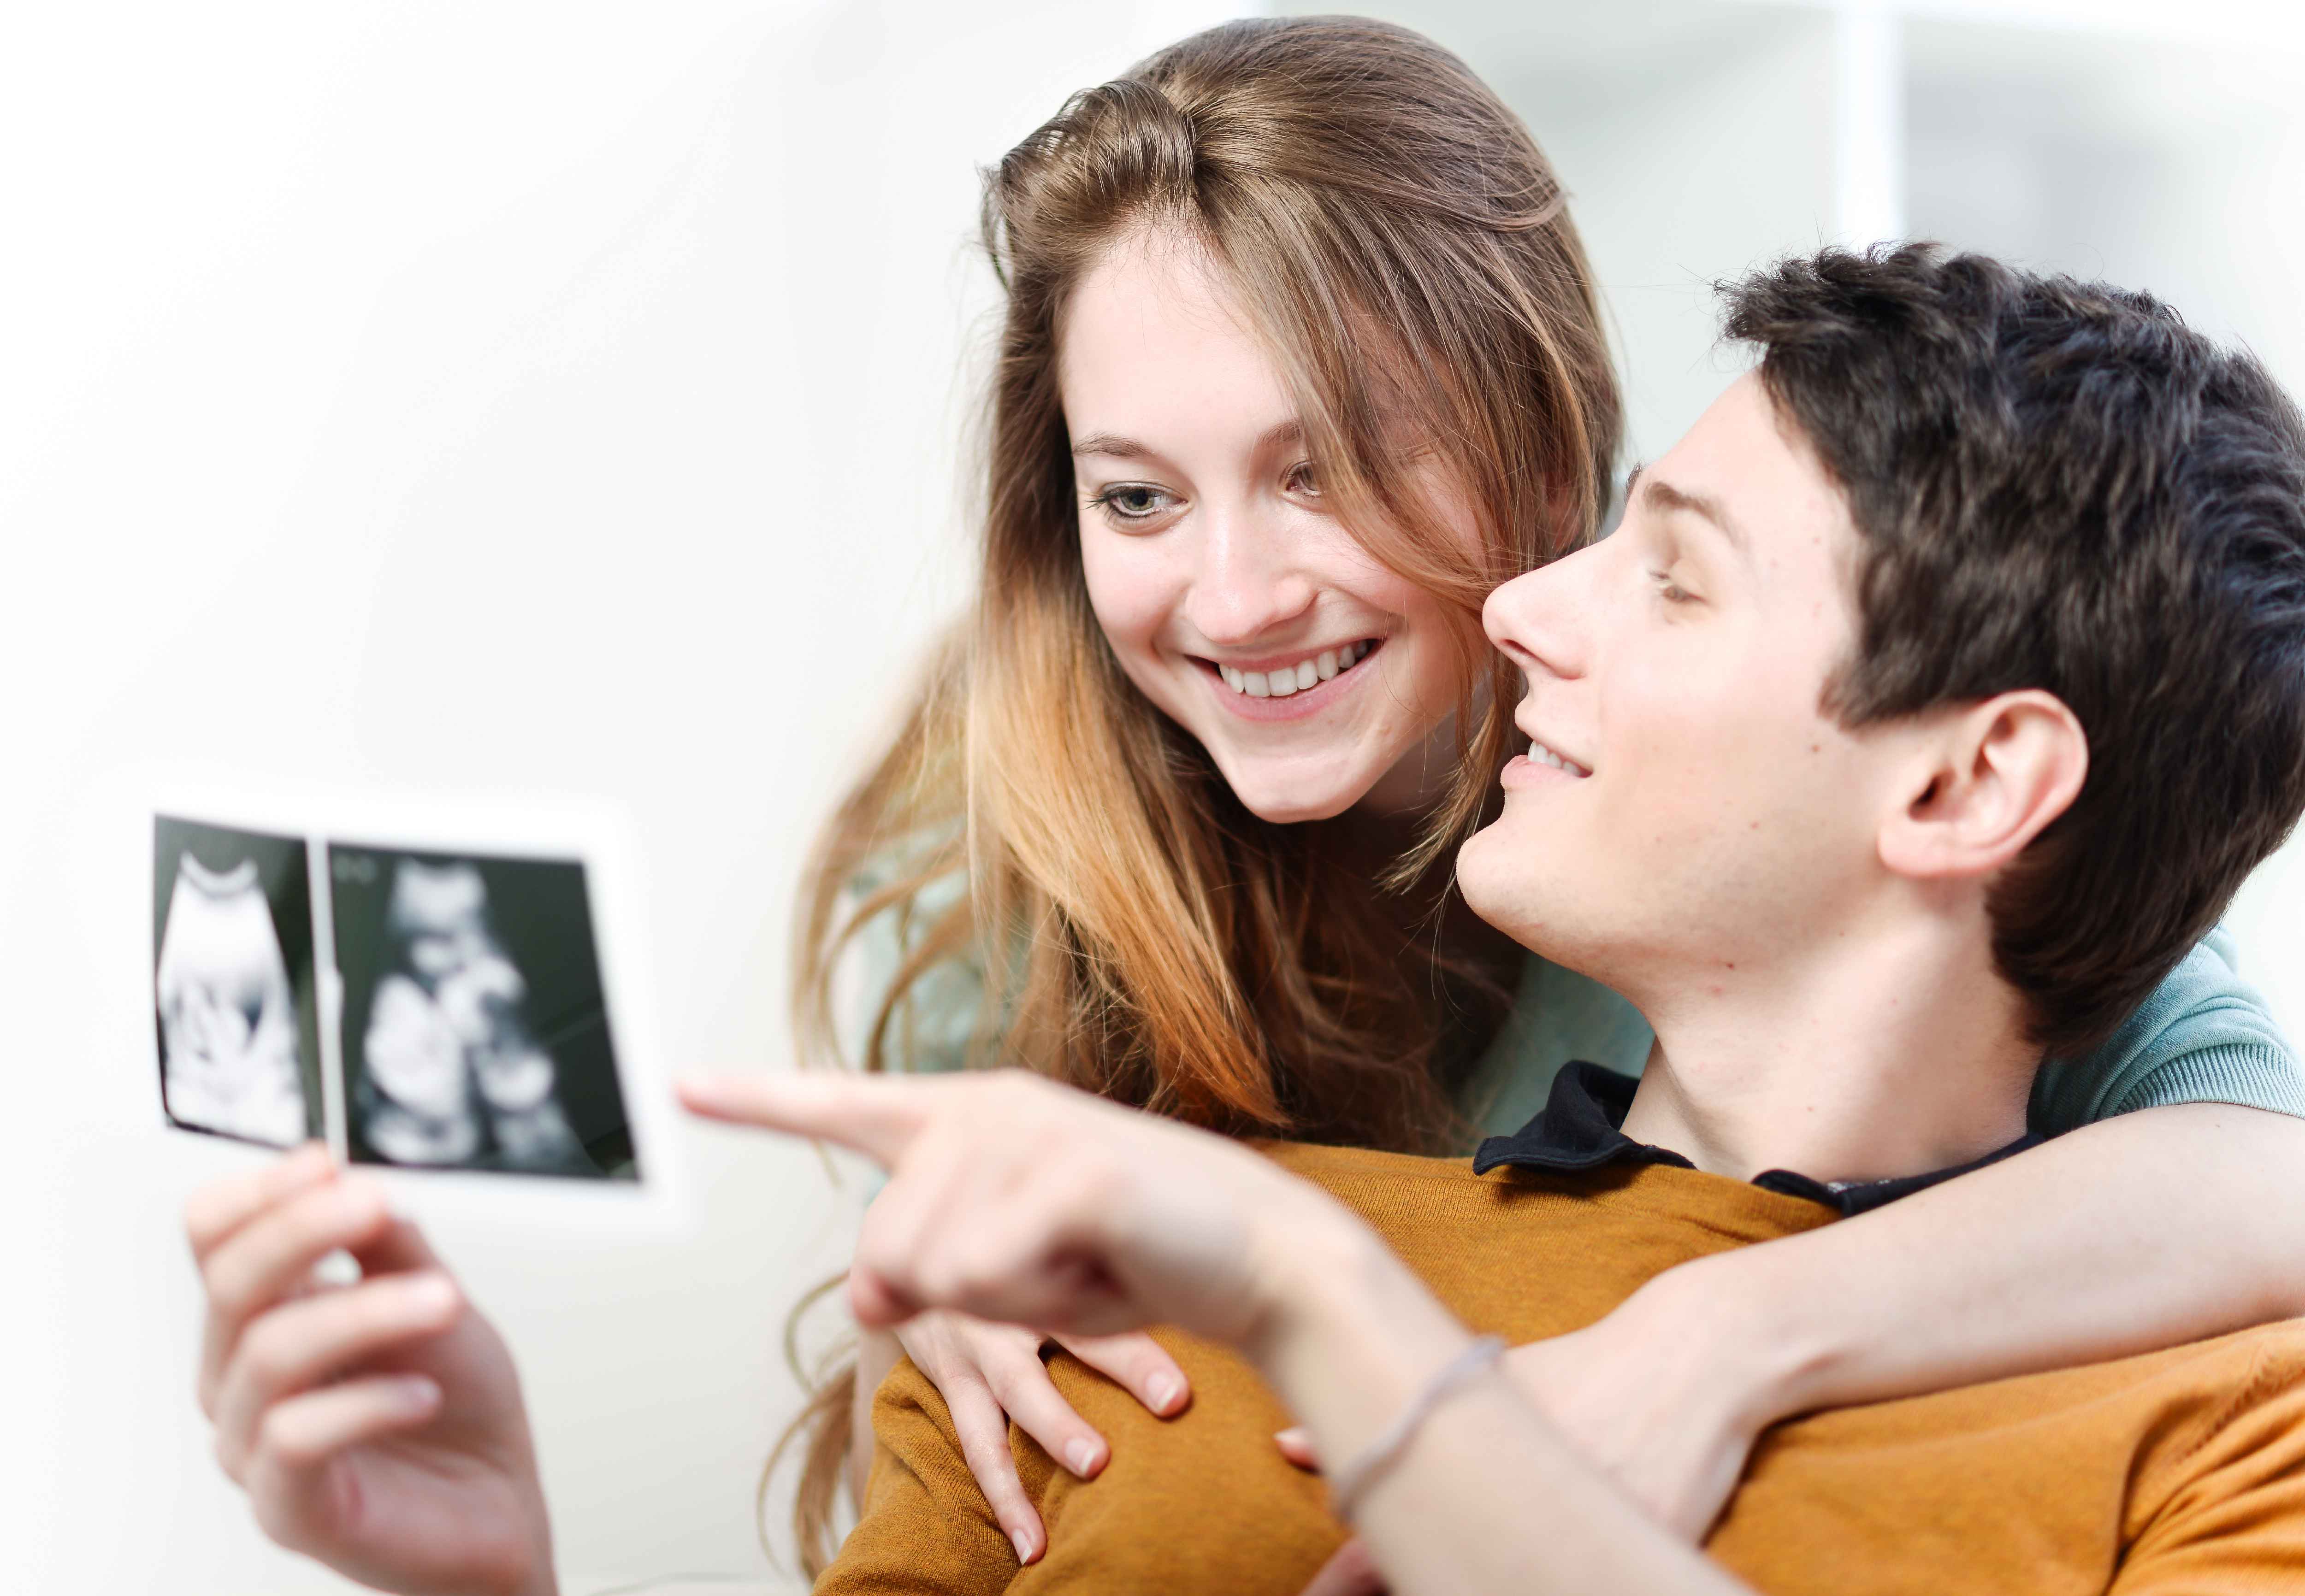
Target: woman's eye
(1669, 590)
(1133, 501)
(1304, 480)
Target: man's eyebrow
(1661, 495)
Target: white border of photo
(594, 832)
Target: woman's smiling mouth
(1302, 676)
(1288, 689)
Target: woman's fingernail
(1082, 1456)
(1024, 1547)
(415, 1393)
(1164, 1392)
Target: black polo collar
(1578, 1129)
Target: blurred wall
(466, 399)
(517, 399)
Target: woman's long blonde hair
(1400, 244)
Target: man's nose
(1540, 619)
(1250, 580)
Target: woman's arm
(2137, 1233)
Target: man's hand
(1014, 1199)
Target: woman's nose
(1250, 580)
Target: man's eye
(1133, 501)
(1669, 590)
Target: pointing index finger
(874, 1116)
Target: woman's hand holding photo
(376, 1427)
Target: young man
(1936, 693)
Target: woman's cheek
(1130, 601)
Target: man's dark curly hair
(2059, 485)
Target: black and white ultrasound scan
(233, 982)
(475, 1032)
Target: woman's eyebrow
(1113, 446)
(1116, 447)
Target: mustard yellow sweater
(2181, 1471)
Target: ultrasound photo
(475, 1027)
(232, 955)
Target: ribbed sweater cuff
(2249, 1074)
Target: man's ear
(1984, 782)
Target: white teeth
(1542, 755)
(1295, 678)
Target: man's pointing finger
(876, 1117)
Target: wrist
(1344, 1333)
(1750, 1342)
(542, 1579)
(1316, 1272)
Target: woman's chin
(1285, 804)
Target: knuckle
(985, 1445)
(228, 1289)
(197, 1214)
(279, 1438)
(268, 1354)
(228, 1456)
(1007, 1381)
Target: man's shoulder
(1324, 1165)
(2041, 1482)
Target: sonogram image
(233, 989)
(475, 1029)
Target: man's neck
(1880, 1056)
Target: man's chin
(1494, 872)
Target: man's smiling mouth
(1542, 755)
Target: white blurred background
(514, 399)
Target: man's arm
(1485, 1496)
(1133, 1220)
(2230, 1514)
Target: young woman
(1301, 358)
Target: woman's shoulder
(2204, 1035)
(932, 1018)
(1557, 1016)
